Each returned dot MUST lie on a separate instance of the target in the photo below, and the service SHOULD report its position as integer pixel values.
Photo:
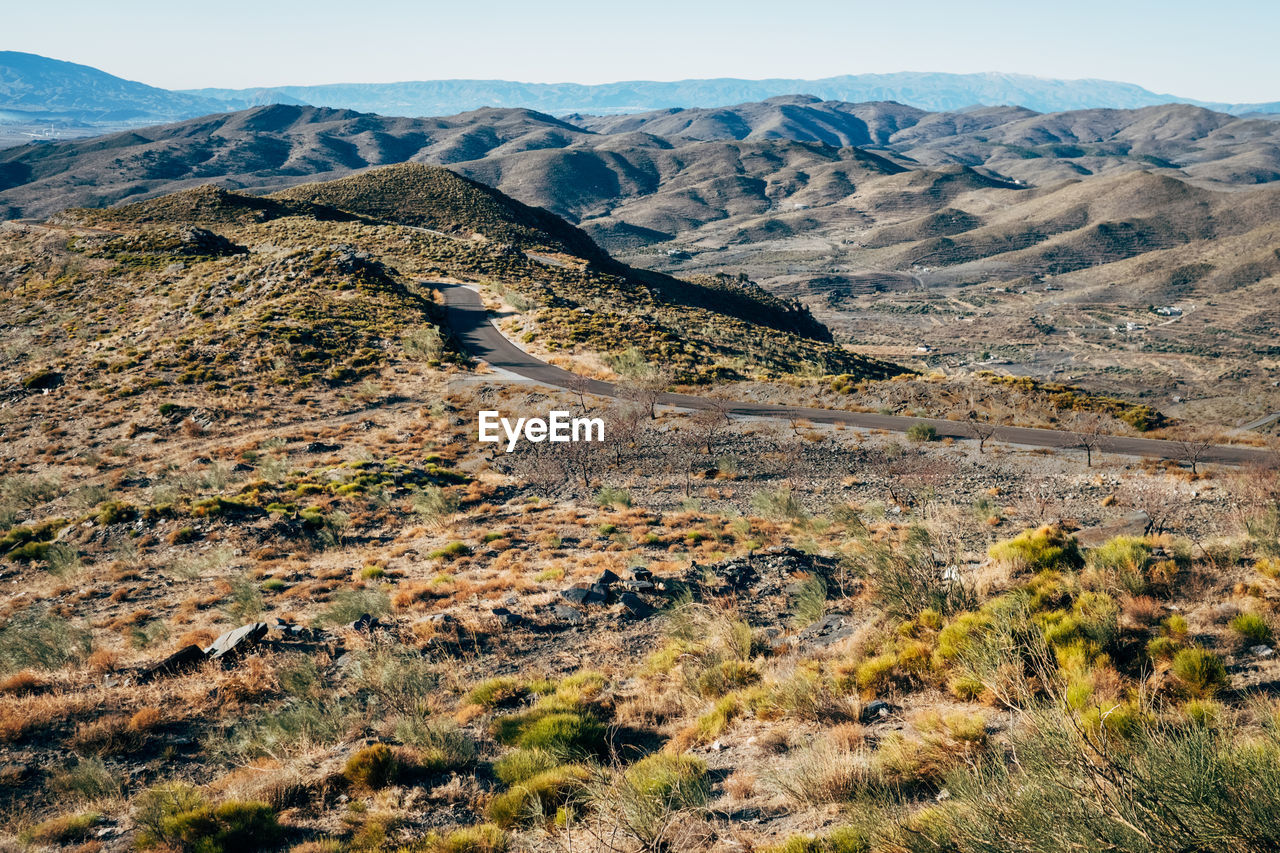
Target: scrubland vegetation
(700, 634)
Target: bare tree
(1194, 448)
(709, 424)
(579, 385)
(1165, 502)
(1087, 430)
(625, 430)
(982, 430)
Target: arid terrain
(264, 590)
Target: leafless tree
(709, 424)
(625, 429)
(980, 429)
(1194, 448)
(1087, 430)
(1166, 503)
(579, 385)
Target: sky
(1221, 51)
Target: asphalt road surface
(470, 324)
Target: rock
(826, 631)
(568, 614)
(185, 658)
(1134, 524)
(638, 586)
(640, 573)
(607, 578)
(320, 447)
(365, 623)
(597, 594)
(1261, 651)
(234, 643)
(635, 605)
(507, 618)
(575, 594)
(876, 710)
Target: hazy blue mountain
(926, 90)
(35, 88)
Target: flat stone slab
(236, 641)
(185, 658)
(1134, 524)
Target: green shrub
(86, 780)
(350, 604)
(652, 793)
(41, 641)
(494, 692)
(451, 551)
(178, 816)
(539, 797)
(1038, 550)
(521, 764)
(64, 829)
(846, 839)
(1121, 553)
(612, 496)
(922, 432)
(116, 512)
(1252, 628)
(434, 504)
(725, 677)
(373, 767)
(810, 603)
(567, 733)
(485, 838)
(423, 344)
(1167, 787)
(1200, 671)
(780, 504)
(444, 746)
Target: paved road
(470, 324)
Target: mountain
(647, 177)
(35, 88)
(319, 284)
(925, 90)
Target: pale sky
(1221, 51)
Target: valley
(931, 500)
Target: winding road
(470, 324)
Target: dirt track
(471, 325)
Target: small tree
(981, 430)
(1193, 449)
(1088, 434)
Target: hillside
(365, 250)
(1059, 231)
(266, 592)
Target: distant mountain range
(36, 89)
(925, 90)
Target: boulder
(236, 642)
(635, 606)
(569, 615)
(365, 623)
(575, 594)
(1134, 524)
(185, 658)
(607, 578)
